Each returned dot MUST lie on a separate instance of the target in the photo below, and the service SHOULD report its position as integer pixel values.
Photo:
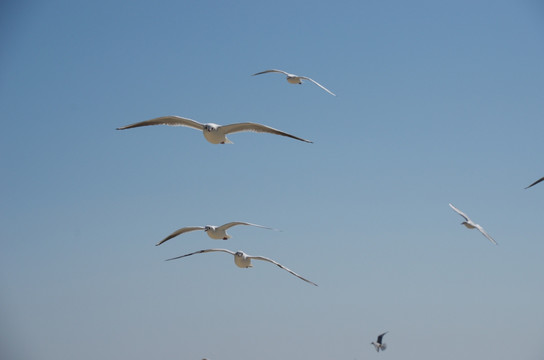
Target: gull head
(210, 127)
(209, 227)
(241, 260)
(469, 226)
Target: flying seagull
(536, 182)
(379, 345)
(243, 260)
(216, 134)
(215, 232)
(294, 79)
(471, 224)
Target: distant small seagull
(243, 260)
(294, 79)
(379, 345)
(471, 224)
(536, 182)
(216, 134)
(215, 232)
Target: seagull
(471, 224)
(536, 182)
(216, 134)
(243, 260)
(215, 232)
(294, 79)
(378, 344)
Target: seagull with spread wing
(214, 232)
(379, 344)
(294, 79)
(243, 260)
(469, 224)
(216, 134)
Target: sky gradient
(437, 103)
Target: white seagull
(536, 182)
(379, 345)
(472, 225)
(294, 79)
(243, 260)
(216, 134)
(215, 232)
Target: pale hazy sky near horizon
(437, 102)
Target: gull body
(536, 182)
(214, 232)
(379, 344)
(214, 133)
(294, 79)
(469, 224)
(243, 260)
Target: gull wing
(179, 232)
(318, 84)
(381, 336)
(485, 233)
(461, 213)
(281, 266)
(536, 182)
(234, 223)
(201, 252)
(271, 70)
(254, 127)
(167, 120)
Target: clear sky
(437, 102)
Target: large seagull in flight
(215, 232)
(216, 134)
(243, 260)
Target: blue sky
(437, 103)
